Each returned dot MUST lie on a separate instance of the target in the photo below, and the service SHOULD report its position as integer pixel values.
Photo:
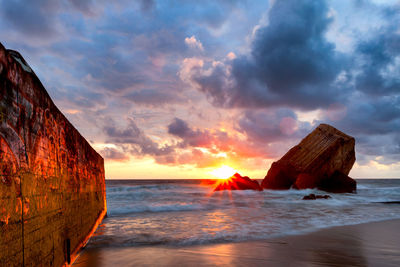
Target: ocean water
(188, 212)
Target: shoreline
(366, 244)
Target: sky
(176, 89)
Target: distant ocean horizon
(184, 212)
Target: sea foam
(187, 212)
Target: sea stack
(238, 182)
(323, 160)
(52, 186)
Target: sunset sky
(175, 89)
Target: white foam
(153, 208)
(183, 214)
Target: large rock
(338, 183)
(323, 159)
(238, 182)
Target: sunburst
(224, 172)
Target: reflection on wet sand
(372, 244)
(341, 250)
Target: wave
(142, 187)
(246, 234)
(154, 208)
(156, 189)
(186, 214)
(141, 201)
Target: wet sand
(369, 244)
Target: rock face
(338, 183)
(238, 182)
(323, 159)
(52, 187)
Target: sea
(188, 212)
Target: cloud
(114, 154)
(194, 157)
(147, 5)
(135, 140)
(365, 116)
(375, 124)
(84, 6)
(259, 141)
(127, 50)
(179, 128)
(153, 97)
(195, 138)
(73, 96)
(335, 112)
(269, 126)
(190, 66)
(192, 42)
(231, 56)
(291, 63)
(32, 18)
(339, 60)
(380, 61)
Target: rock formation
(238, 182)
(322, 160)
(338, 183)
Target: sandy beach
(369, 244)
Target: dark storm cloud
(380, 67)
(195, 138)
(384, 149)
(32, 18)
(291, 63)
(179, 128)
(365, 116)
(291, 51)
(373, 111)
(135, 139)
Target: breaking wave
(143, 213)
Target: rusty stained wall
(52, 186)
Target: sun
(224, 172)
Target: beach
(185, 223)
(367, 244)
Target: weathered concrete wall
(52, 188)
